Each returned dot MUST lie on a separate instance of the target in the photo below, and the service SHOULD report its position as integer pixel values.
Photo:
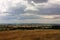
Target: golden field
(30, 35)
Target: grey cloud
(45, 11)
(38, 1)
(9, 17)
(49, 11)
(17, 10)
(53, 10)
(29, 17)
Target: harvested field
(30, 35)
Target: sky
(29, 11)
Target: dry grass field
(30, 35)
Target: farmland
(42, 34)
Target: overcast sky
(29, 11)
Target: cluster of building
(27, 26)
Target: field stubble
(30, 35)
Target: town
(28, 26)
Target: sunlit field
(30, 35)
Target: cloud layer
(29, 11)
(38, 1)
